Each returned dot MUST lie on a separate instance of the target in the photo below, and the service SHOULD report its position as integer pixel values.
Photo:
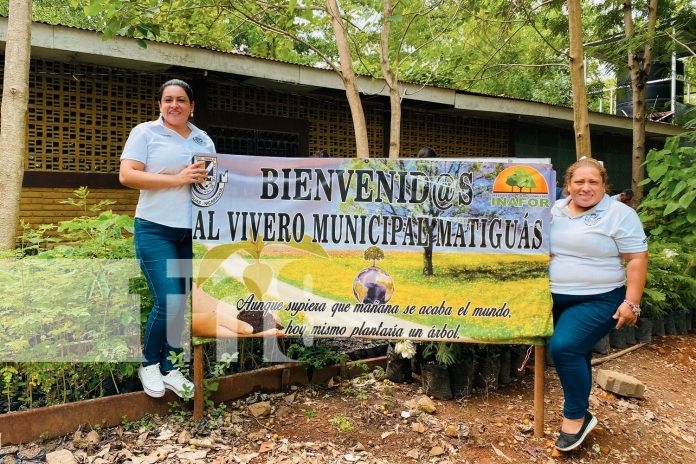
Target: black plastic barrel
(657, 95)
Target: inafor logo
(210, 191)
(520, 186)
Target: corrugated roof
(240, 53)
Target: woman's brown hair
(586, 162)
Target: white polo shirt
(585, 250)
(163, 151)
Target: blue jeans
(164, 254)
(580, 322)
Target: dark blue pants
(580, 322)
(164, 254)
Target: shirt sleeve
(136, 146)
(210, 145)
(630, 237)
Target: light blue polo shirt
(585, 250)
(163, 151)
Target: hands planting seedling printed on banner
(215, 318)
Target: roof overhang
(82, 46)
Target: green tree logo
(521, 180)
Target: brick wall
(41, 205)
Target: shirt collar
(603, 205)
(194, 130)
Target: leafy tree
(633, 34)
(527, 181)
(513, 181)
(521, 180)
(60, 12)
(374, 254)
(451, 176)
(431, 42)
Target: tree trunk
(428, 252)
(349, 80)
(639, 65)
(581, 120)
(392, 82)
(638, 126)
(13, 119)
(428, 260)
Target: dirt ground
(369, 420)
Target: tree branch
(435, 37)
(490, 58)
(232, 8)
(682, 44)
(531, 23)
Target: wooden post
(539, 362)
(198, 396)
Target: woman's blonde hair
(586, 162)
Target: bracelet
(634, 307)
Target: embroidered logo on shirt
(198, 140)
(210, 191)
(591, 219)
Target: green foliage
(357, 393)
(671, 283)
(604, 21)
(146, 424)
(521, 180)
(495, 46)
(343, 423)
(317, 355)
(96, 234)
(55, 12)
(310, 413)
(442, 352)
(360, 365)
(668, 211)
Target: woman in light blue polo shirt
(592, 237)
(157, 160)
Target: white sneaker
(176, 382)
(151, 378)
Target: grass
(481, 279)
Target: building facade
(86, 95)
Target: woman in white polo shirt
(157, 160)
(592, 237)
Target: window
(238, 141)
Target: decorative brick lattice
(80, 115)
(453, 136)
(331, 125)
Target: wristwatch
(634, 307)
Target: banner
(448, 250)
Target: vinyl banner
(449, 250)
